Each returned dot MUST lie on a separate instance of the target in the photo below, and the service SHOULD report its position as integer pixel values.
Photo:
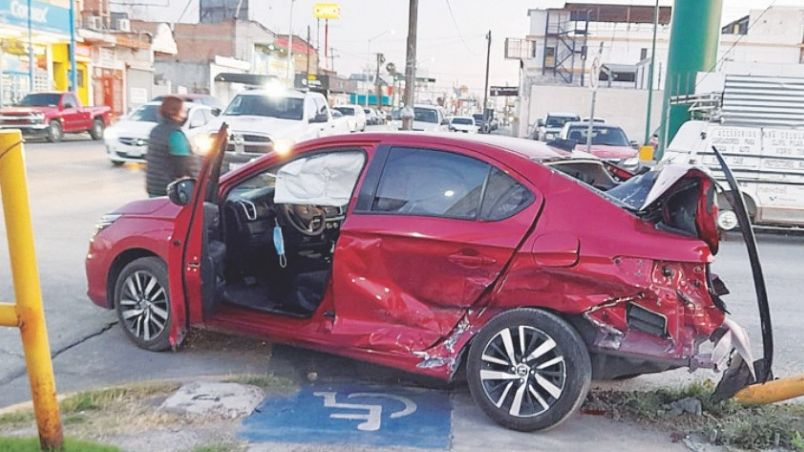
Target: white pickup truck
(261, 121)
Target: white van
(768, 163)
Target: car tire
(140, 310)
(548, 380)
(118, 163)
(96, 132)
(55, 133)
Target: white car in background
(341, 123)
(127, 139)
(354, 115)
(429, 118)
(465, 124)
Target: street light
(368, 58)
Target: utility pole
(332, 59)
(290, 44)
(378, 86)
(650, 73)
(410, 66)
(486, 86)
(318, 45)
(308, 52)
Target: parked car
(609, 142)
(203, 99)
(436, 254)
(429, 118)
(51, 115)
(340, 121)
(382, 116)
(262, 121)
(549, 128)
(464, 124)
(127, 139)
(480, 122)
(371, 117)
(355, 115)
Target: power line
(455, 22)
(734, 44)
(186, 6)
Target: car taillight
(706, 220)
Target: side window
(504, 197)
(430, 183)
(309, 108)
(321, 106)
(69, 101)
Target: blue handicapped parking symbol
(354, 414)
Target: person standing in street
(170, 155)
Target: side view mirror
(216, 112)
(540, 123)
(445, 122)
(634, 144)
(320, 117)
(180, 192)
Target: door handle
(471, 261)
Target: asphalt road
(72, 184)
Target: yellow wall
(61, 70)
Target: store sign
(327, 11)
(43, 16)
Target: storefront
(61, 70)
(49, 26)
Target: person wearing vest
(170, 155)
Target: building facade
(563, 42)
(30, 56)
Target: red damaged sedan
(429, 253)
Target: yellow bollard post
(25, 277)
(646, 153)
(772, 391)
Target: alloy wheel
(144, 305)
(523, 371)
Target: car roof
(596, 125)
(292, 93)
(462, 117)
(523, 148)
(564, 114)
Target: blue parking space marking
(352, 413)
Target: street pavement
(72, 184)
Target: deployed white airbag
(323, 180)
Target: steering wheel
(308, 219)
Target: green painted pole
(694, 36)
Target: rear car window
(504, 197)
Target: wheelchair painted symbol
(370, 414)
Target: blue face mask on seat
(279, 245)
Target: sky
(451, 41)
(451, 33)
